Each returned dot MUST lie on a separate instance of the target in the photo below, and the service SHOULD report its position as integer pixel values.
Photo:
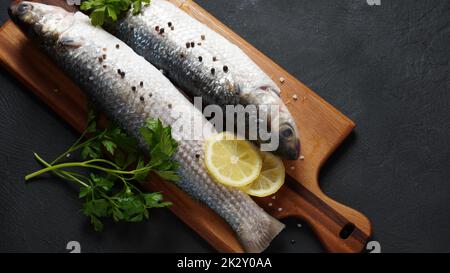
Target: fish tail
(257, 242)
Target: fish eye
(287, 132)
(23, 8)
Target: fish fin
(70, 42)
(257, 242)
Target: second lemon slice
(232, 161)
(271, 178)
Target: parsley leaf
(110, 146)
(110, 10)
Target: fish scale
(205, 64)
(111, 74)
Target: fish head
(274, 115)
(40, 20)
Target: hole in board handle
(347, 230)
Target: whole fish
(205, 64)
(130, 90)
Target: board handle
(340, 229)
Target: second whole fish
(205, 64)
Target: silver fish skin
(130, 90)
(205, 64)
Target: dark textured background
(386, 67)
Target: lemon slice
(232, 161)
(270, 179)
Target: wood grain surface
(322, 129)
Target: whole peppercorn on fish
(205, 64)
(130, 90)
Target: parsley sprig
(103, 10)
(109, 154)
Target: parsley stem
(76, 146)
(104, 161)
(71, 148)
(61, 174)
(85, 164)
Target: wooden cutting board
(322, 128)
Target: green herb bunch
(109, 10)
(115, 163)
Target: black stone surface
(386, 67)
